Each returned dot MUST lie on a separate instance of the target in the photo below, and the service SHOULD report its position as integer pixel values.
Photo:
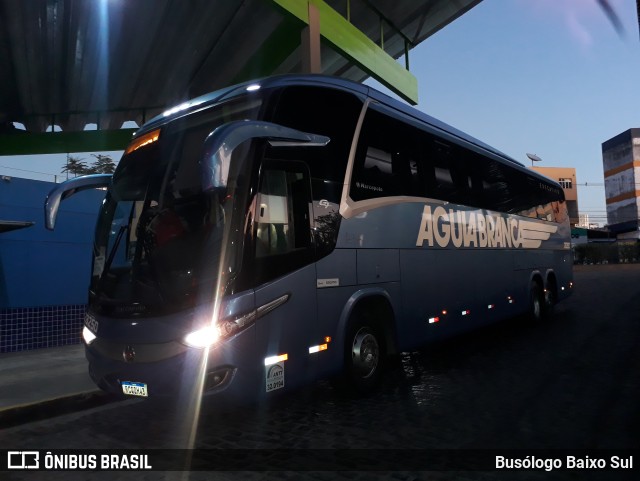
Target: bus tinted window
(387, 160)
(395, 158)
(313, 110)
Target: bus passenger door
(284, 274)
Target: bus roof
(328, 82)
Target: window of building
(565, 183)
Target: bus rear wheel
(536, 302)
(364, 356)
(549, 301)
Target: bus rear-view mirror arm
(66, 189)
(220, 144)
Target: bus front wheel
(364, 355)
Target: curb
(50, 408)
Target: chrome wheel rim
(537, 309)
(365, 353)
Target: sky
(46, 167)
(549, 77)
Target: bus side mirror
(220, 144)
(65, 190)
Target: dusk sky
(550, 77)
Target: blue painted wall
(44, 275)
(39, 267)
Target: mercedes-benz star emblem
(128, 354)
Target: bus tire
(536, 302)
(550, 299)
(364, 356)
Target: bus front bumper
(187, 373)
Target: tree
(75, 166)
(103, 165)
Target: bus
(300, 227)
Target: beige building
(566, 177)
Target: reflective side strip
(275, 359)
(321, 347)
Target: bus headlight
(202, 338)
(209, 335)
(88, 336)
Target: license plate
(134, 388)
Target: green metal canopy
(71, 63)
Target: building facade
(621, 164)
(566, 177)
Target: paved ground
(569, 384)
(42, 375)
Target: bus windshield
(160, 236)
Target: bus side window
(282, 217)
(376, 174)
(491, 186)
(282, 226)
(442, 186)
(405, 174)
(560, 211)
(387, 159)
(461, 179)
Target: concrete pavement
(45, 383)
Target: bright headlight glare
(223, 329)
(202, 338)
(87, 335)
(229, 328)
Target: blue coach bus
(298, 227)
